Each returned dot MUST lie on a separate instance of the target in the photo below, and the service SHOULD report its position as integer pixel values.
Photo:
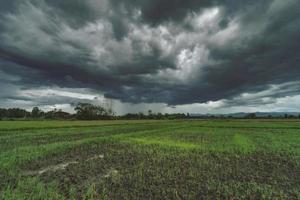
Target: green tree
(87, 111)
(36, 112)
(251, 116)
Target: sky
(188, 56)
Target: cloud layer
(152, 51)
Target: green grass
(198, 159)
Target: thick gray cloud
(152, 51)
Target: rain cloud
(172, 53)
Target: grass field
(237, 159)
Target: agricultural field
(184, 159)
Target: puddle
(62, 166)
(95, 157)
(55, 168)
(111, 173)
(52, 168)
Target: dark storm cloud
(157, 11)
(174, 52)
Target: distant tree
(131, 116)
(57, 114)
(291, 116)
(3, 113)
(36, 112)
(87, 111)
(141, 115)
(269, 117)
(159, 116)
(251, 116)
(16, 113)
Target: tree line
(87, 111)
(83, 111)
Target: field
(196, 159)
